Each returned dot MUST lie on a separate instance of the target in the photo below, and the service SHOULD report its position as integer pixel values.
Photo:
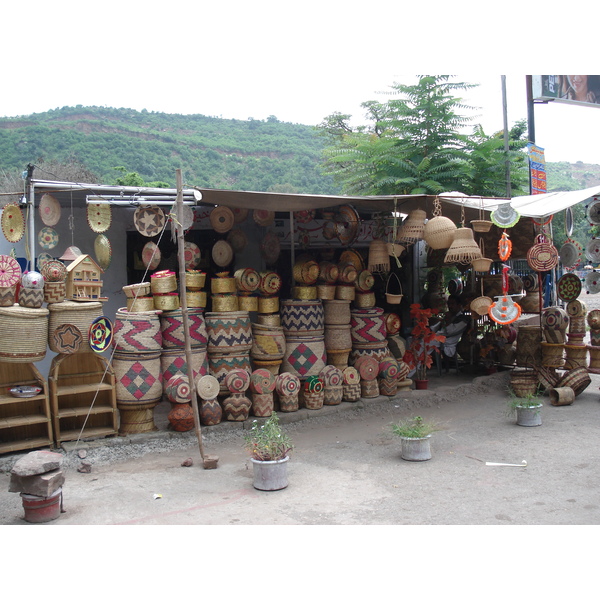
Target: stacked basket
(328, 274)
(194, 288)
(247, 282)
(224, 293)
(306, 273)
(368, 333)
(338, 340)
(268, 299)
(163, 285)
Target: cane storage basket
(80, 314)
(24, 335)
(524, 383)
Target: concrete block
(43, 485)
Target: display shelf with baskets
(25, 422)
(82, 397)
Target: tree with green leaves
(414, 144)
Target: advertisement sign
(583, 90)
(537, 169)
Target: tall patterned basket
(262, 404)
(80, 314)
(302, 317)
(8, 295)
(351, 392)
(229, 331)
(553, 355)
(388, 387)
(137, 331)
(594, 355)
(236, 406)
(576, 356)
(368, 325)
(529, 349)
(24, 334)
(138, 390)
(173, 362)
(268, 342)
(305, 356)
(377, 350)
(369, 388)
(173, 331)
(220, 364)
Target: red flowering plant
(423, 341)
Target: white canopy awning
(544, 205)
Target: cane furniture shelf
(82, 397)
(24, 422)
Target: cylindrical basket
(24, 335)
(138, 377)
(225, 303)
(247, 280)
(247, 302)
(524, 383)
(8, 294)
(80, 314)
(302, 317)
(529, 350)
(326, 291)
(168, 301)
(137, 290)
(333, 395)
(368, 325)
(338, 337)
(137, 332)
(364, 299)
(195, 280)
(173, 362)
(229, 331)
(223, 285)
(163, 282)
(304, 356)
(173, 330)
(196, 299)
(268, 304)
(305, 292)
(268, 343)
(336, 312)
(31, 297)
(553, 355)
(55, 291)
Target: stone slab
(36, 463)
(43, 485)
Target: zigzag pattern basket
(55, 291)
(302, 317)
(136, 331)
(228, 331)
(351, 392)
(368, 325)
(333, 395)
(173, 332)
(369, 388)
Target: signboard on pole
(537, 169)
(583, 90)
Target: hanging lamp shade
(379, 259)
(439, 232)
(71, 253)
(464, 249)
(411, 231)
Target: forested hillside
(212, 152)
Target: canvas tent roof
(544, 205)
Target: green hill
(211, 152)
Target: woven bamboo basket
(225, 303)
(481, 225)
(439, 232)
(529, 350)
(482, 265)
(388, 387)
(364, 299)
(338, 337)
(248, 302)
(80, 314)
(369, 388)
(338, 358)
(576, 356)
(195, 280)
(272, 366)
(553, 355)
(247, 280)
(524, 383)
(136, 418)
(272, 319)
(163, 282)
(268, 343)
(223, 285)
(364, 281)
(333, 395)
(137, 290)
(578, 379)
(464, 249)
(576, 339)
(326, 291)
(138, 378)
(547, 377)
(144, 304)
(412, 229)
(481, 305)
(337, 312)
(379, 258)
(561, 396)
(166, 301)
(351, 392)
(55, 291)
(393, 298)
(345, 292)
(196, 299)
(328, 272)
(311, 400)
(594, 354)
(288, 402)
(576, 324)
(347, 273)
(174, 332)
(137, 332)
(24, 334)
(7, 295)
(31, 298)
(306, 271)
(305, 292)
(268, 305)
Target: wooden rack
(24, 422)
(82, 396)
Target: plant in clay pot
(423, 341)
(415, 434)
(527, 408)
(269, 447)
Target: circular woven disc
(49, 210)
(47, 238)
(238, 240)
(13, 223)
(592, 282)
(270, 248)
(149, 220)
(151, 256)
(222, 253)
(367, 367)
(67, 338)
(568, 287)
(100, 334)
(221, 219)
(10, 271)
(191, 255)
(208, 387)
(54, 270)
(99, 217)
(103, 251)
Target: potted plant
(414, 434)
(527, 408)
(269, 448)
(423, 343)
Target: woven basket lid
(151, 256)
(270, 247)
(221, 219)
(47, 238)
(149, 220)
(103, 251)
(439, 232)
(49, 210)
(262, 381)
(99, 217)
(351, 376)
(505, 216)
(54, 270)
(332, 376)
(239, 214)
(367, 367)
(13, 222)
(287, 384)
(208, 387)
(67, 338)
(263, 217)
(222, 253)
(191, 255)
(238, 240)
(10, 271)
(237, 380)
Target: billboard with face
(572, 89)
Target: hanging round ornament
(570, 253)
(593, 211)
(238, 240)
(329, 230)
(592, 250)
(505, 216)
(304, 216)
(191, 255)
(222, 253)
(543, 255)
(239, 214)
(504, 246)
(504, 310)
(347, 223)
(149, 220)
(568, 287)
(270, 248)
(568, 221)
(103, 251)
(264, 218)
(100, 334)
(10, 271)
(49, 210)
(47, 238)
(151, 256)
(592, 282)
(99, 217)
(13, 222)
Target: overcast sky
(297, 61)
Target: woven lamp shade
(464, 249)
(411, 231)
(379, 259)
(439, 232)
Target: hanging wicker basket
(439, 232)
(464, 249)
(481, 226)
(393, 298)
(379, 258)
(411, 231)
